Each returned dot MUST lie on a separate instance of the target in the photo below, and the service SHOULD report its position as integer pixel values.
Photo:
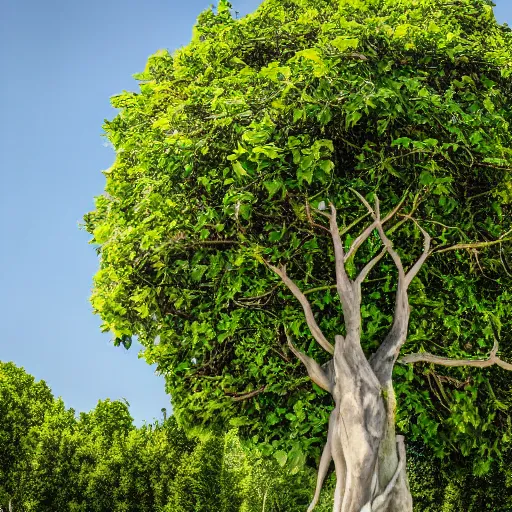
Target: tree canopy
(226, 158)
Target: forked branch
(385, 240)
(384, 358)
(368, 231)
(367, 268)
(425, 357)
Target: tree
(53, 479)
(24, 404)
(226, 159)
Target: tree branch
(246, 396)
(413, 271)
(316, 373)
(306, 306)
(343, 283)
(384, 358)
(312, 222)
(475, 245)
(325, 462)
(389, 244)
(425, 357)
(366, 270)
(367, 232)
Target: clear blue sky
(61, 61)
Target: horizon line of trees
(98, 461)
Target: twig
(475, 245)
(311, 221)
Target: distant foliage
(24, 405)
(68, 465)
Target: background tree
(145, 463)
(53, 481)
(23, 405)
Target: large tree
(228, 160)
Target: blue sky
(61, 61)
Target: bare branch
(316, 373)
(325, 462)
(425, 357)
(346, 229)
(385, 240)
(365, 202)
(367, 232)
(366, 270)
(413, 271)
(246, 396)
(306, 306)
(343, 283)
(475, 245)
(414, 207)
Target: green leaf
(311, 54)
(343, 43)
(489, 105)
(426, 178)
(400, 31)
(272, 187)
(305, 175)
(324, 116)
(298, 114)
(239, 170)
(431, 142)
(274, 236)
(326, 165)
(281, 457)
(276, 72)
(352, 119)
(402, 141)
(198, 272)
(267, 150)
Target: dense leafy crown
(220, 151)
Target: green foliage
(197, 485)
(263, 485)
(23, 406)
(217, 155)
(156, 468)
(449, 485)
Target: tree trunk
(368, 456)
